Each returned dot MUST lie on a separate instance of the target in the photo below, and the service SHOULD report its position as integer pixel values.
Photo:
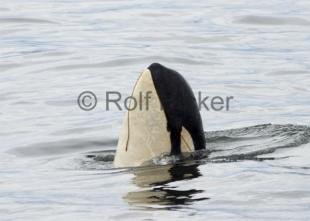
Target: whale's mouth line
(128, 118)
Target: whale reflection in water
(157, 181)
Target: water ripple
(269, 20)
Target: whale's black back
(180, 106)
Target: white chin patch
(144, 134)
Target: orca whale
(169, 123)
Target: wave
(247, 143)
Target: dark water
(56, 160)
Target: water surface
(56, 160)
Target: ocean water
(56, 159)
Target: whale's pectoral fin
(175, 129)
(175, 137)
(197, 135)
